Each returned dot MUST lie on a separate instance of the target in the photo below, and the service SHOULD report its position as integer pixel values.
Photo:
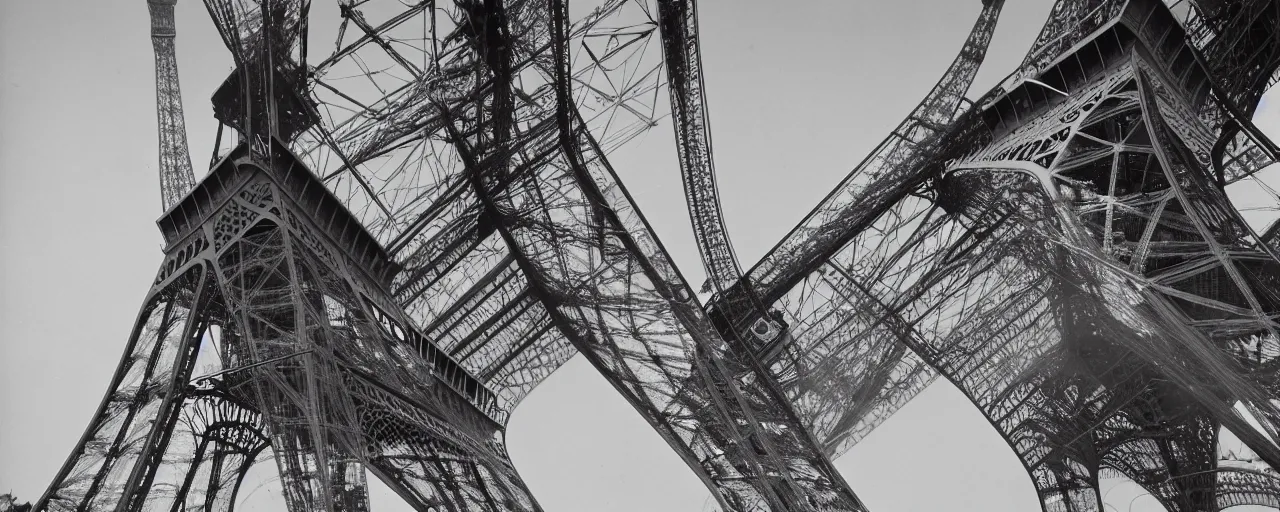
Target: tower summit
(176, 176)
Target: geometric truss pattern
(400, 239)
(318, 364)
(842, 387)
(1002, 265)
(176, 175)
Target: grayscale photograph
(482, 256)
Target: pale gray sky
(799, 92)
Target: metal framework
(1064, 255)
(176, 176)
(400, 238)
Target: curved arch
(1099, 307)
(840, 402)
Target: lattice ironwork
(176, 176)
(1008, 250)
(400, 238)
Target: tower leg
(337, 392)
(1086, 277)
(120, 452)
(428, 463)
(275, 339)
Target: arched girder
(610, 288)
(682, 53)
(912, 145)
(843, 404)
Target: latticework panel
(351, 384)
(1035, 271)
(120, 452)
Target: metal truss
(960, 255)
(404, 234)
(176, 176)
(843, 396)
(318, 363)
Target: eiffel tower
(1062, 251)
(381, 286)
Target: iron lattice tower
(176, 176)
(380, 272)
(1063, 253)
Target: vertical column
(176, 176)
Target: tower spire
(176, 176)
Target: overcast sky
(798, 91)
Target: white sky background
(799, 92)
